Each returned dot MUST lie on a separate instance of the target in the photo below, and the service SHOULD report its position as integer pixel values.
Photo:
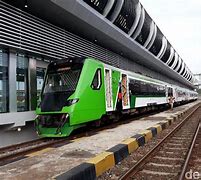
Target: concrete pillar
(12, 81)
(32, 84)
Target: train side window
(134, 87)
(137, 87)
(97, 80)
(143, 88)
(149, 89)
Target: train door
(175, 94)
(125, 91)
(115, 89)
(166, 93)
(108, 90)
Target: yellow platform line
(147, 134)
(158, 127)
(131, 143)
(39, 152)
(103, 162)
(166, 122)
(78, 139)
(171, 119)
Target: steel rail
(133, 170)
(16, 146)
(181, 177)
(23, 148)
(13, 156)
(39, 144)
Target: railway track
(19, 151)
(16, 152)
(166, 160)
(192, 165)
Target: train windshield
(62, 79)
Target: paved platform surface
(50, 162)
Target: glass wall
(3, 81)
(40, 75)
(22, 83)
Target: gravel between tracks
(194, 164)
(127, 163)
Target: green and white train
(78, 91)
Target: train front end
(58, 98)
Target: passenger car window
(97, 80)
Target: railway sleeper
(157, 175)
(162, 167)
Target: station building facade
(198, 81)
(33, 33)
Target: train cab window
(97, 80)
(62, 79)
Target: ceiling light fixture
(26, 4)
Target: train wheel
(98, 123)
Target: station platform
(91, 156)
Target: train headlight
(71, 102)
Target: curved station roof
(123, 26)
(132, 19)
